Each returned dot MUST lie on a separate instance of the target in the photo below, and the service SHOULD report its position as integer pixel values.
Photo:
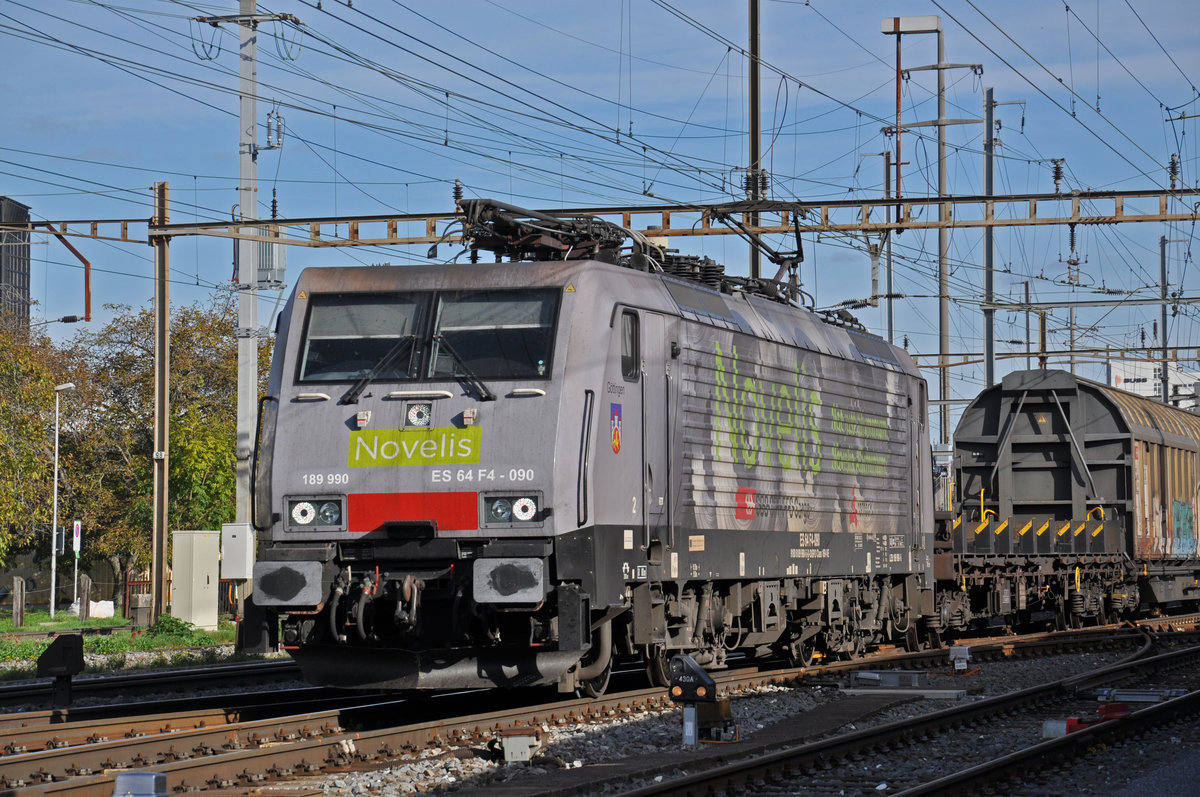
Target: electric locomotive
(508, 473)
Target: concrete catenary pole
(162, 406)
(1162, 331)
(989, 274)
(248, 253)
(754, 173)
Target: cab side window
(631, 356)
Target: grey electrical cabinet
(195, 577)
(237, 551)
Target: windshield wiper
(388, 360)
(484, 393)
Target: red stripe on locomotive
(450, 511)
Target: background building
(14, 265)
(1144, 379)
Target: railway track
(994, 742)
(142, 682)
(239, 749)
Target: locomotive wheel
(803, 654)
(598, 685)
(933, 638)
(658, 668)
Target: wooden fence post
(18, 597)
(85, 597)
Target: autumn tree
(30, 367)
(115, 483)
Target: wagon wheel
(1060, 615)
(658, 667)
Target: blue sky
(385, 103)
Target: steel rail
(142, 681)
(752, 769)
(330, 750)
(1073, 745)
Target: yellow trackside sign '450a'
(438, 445)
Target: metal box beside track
(194, 577)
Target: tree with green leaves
(113, 483)
(30, 367)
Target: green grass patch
(169, 636)
(39, 620)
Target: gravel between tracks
(442, 770)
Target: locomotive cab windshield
(490, 334)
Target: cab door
(620, 490)
(660, 335)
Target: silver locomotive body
(506, 474)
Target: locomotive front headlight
(500, 510)
(303, 513)
(330, 513)
(524, 509)
(419, 414)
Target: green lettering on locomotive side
(762, 422)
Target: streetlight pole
(58, 389)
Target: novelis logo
(437, 445)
